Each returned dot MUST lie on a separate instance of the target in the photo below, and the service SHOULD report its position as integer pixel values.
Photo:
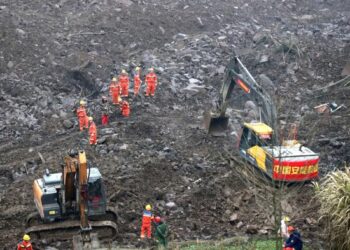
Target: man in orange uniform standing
(147, 218)
(151, 82)
(82, 116)
(114, 90)
(25, 244)
(125, 108)
(124, 83)
(137, 81)
(92, 132)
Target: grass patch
(251, 245)
(236, 243)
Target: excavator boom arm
(237, 74)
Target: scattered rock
(10, 65)
(252, 229)
(68, 124)
(170, 204)
(233, 218)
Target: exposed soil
(56, 52)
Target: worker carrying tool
(162, 232)
(105, 111)
(151, 82)
(147, 218)
(137, 81)
(114, 91)
(125, 109)
(284, 227)
(82, 116)
(124, 83)
(92, 131)
(294, 241)
(25, 244)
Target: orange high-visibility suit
(151, 82)
(125, 108)
(124, 84)
(24, 245)
(146, 227)
(137, 84)
(114, 90)
(83, 118)
(93, 133)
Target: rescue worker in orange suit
(105, 111)
(124, 83)
(125, 109)
(137, 81)
(92, 132)
(82, 116)
(151, 82)
(114, 91)
(25, 244)
(147, 218)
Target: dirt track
(62, 50)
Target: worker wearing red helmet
(161, 233)
(151, 82)
(124, 83)
(294, 241)
(147, 218)
(125, 109)
(25, 244)
(114, 91)
(82, 115)
(92, 132)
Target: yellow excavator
(289, 162)
(71, 202)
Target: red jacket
(114, 88)
(92, 128)
(81, 112)
(151, 78)
(137, 80)
(124, 80)
(24, 246)
(147, 218)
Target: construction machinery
(71, 202)
(289, 162)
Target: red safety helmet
(290, 228)
(157, 219)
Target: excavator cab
(255, 134)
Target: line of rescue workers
(119, 92)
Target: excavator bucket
(214, 123)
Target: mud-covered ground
(56, 52)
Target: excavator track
(104, 226)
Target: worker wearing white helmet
(151, 82)
(82, 116)
(124, 83)
(284, 227)
(137, 81)
(114, 91)
(92, 132)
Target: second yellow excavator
(289, 162)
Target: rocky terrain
(56, 52)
